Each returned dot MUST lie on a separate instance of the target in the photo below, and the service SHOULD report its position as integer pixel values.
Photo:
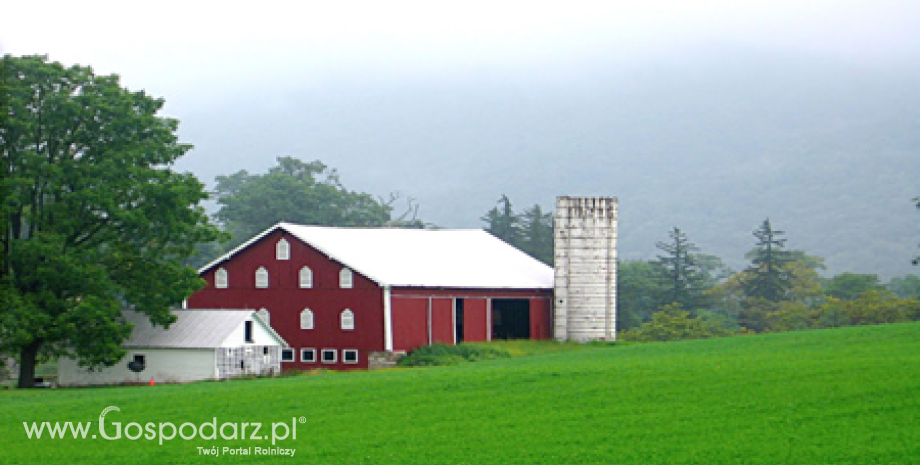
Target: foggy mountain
(711, 143)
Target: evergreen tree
(502, 222)
(681, 276)
(536, 234)
(768, 277)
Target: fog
(709, 116)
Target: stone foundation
(381, 360)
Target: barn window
(306, 278)
(221, 280)
(265, 316)
(283, 250)
(350, 356)
(346, 279)
(262, 277)
(140, 359)
(247, 331)
(306, 319)
(308, 355)
(329, 356)
(348, 320)
(287, 355)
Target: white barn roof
(448, 258)
(193, 329)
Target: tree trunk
(27, 359)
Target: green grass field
(834, 396)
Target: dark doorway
(458, 320)
(510, 319)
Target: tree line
(684, 293)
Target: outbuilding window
(350, 356)
(308, 355)
(247, 331)
(306, 319)
(329, 356)
(261, 278)
(346, 279)
(347, 320)
(283, 250)
(306, 278)
(221, 279)
(287, 355)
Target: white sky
(171, 46)
(253, 80)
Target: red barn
(337, 295)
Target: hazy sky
(439, 99)
(176, 47)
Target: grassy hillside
(834, 396)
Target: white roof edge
(235, 250)
(269, 328)
(333, 256)
(184, 334)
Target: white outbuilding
(199, 345)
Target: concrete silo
(586, 269)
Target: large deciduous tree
(298, 192)
(92, 218)
(849, 286)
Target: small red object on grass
(152, 382)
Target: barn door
(458, 321)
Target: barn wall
(411, 307)
(475, 320)
(163, 365)
(442, 320)
(410, 323)
(540, 319)
(285, 300)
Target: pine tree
(536, 234)
(502, 222)
(680, 273)
(768, 277)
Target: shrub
(673, 324)
(443, 355)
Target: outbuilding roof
(435, 258)
(193, 329)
